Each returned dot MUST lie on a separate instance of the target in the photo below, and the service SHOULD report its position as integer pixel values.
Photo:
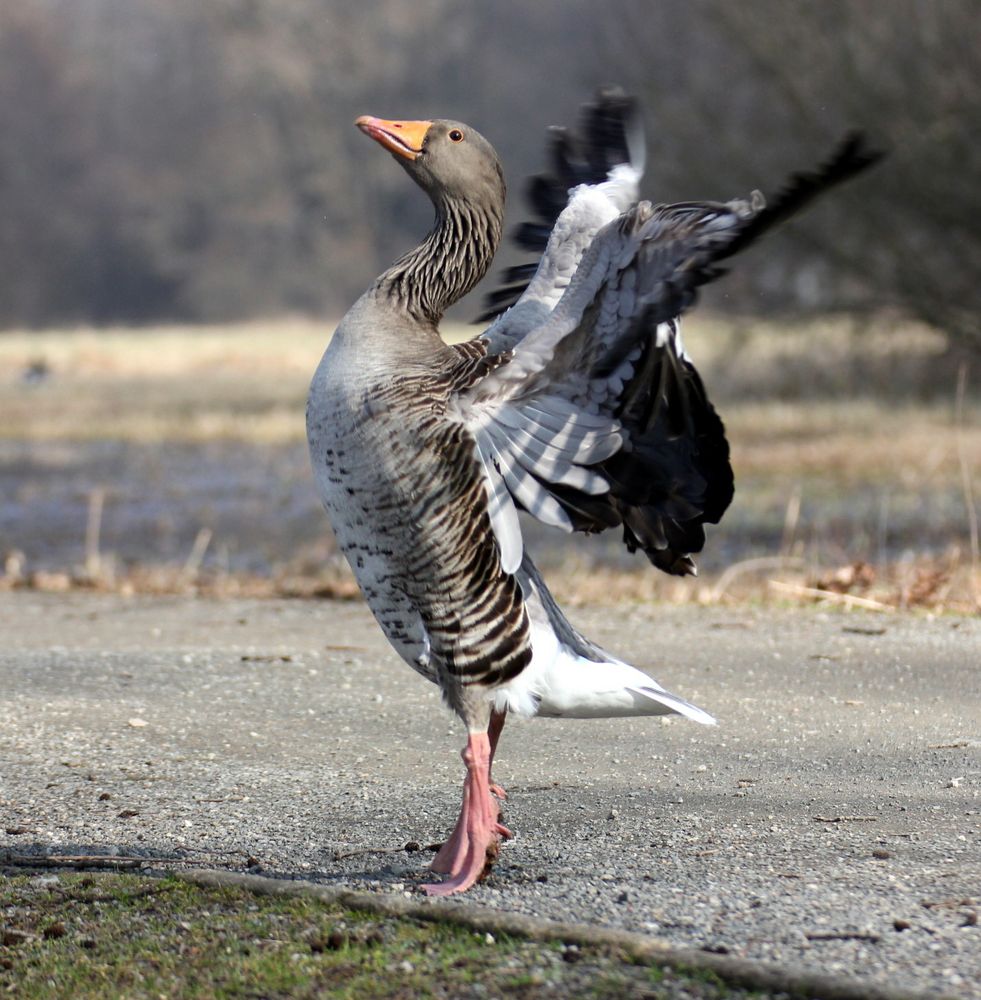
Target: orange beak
(402, 138)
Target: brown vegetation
(829, 464)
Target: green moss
(95, 937)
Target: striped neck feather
(452, 258)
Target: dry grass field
(857, 460)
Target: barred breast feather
(408, 503)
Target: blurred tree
(63, 253)
(185, 160)
(748, 91)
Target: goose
(578, 404)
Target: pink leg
(494, 734)
(473, 845)
(450, 855)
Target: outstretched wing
(596, 417)
(593, 176)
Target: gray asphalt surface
(830, 821)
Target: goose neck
(452, 258)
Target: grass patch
(99, 936)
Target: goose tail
(673, 703)
(573, 678)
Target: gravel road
(830, 821)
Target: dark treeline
(170, 159)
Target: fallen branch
(849, 600)
(87, 861)
(846, 819)
(640, 948)
(842, 936)
(410, 848)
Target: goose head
(450, 161)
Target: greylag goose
(578, 405)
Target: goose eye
(456, 135)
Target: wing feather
(595, 415)
(502, 512)
(605, 157)
(529, 492)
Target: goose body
(578, 404)
(408, 521)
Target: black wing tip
(609, 131)
(605, 136)
(853, 154)
(607, 126)
(613, 104)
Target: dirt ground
(830, 821)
